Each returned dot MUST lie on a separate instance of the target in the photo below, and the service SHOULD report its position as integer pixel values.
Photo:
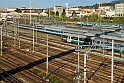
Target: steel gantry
(86, 49)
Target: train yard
(22, 63)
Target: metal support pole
(81, 20)
(49, 9)
(18, 33)
(103, 40)
(36, 29)
(15, 32)
(112, 63)
(87, 20)
(5, 23)
(85, 59)
(39, 18)
(47, 58)
(33, 35)
(25, 19)
(78, 71)
(16, 27)
(6, 29)
(1, 40)
(30, 11)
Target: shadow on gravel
(31, 65)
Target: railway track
(97, 68)
(9, 79)
(19, 75)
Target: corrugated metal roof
(96, 32)
(78, 30)
(50, 28)
(90, 34)
(112, 37)
(74, 35)
(108, 40)
(114, 34)
(122, 35)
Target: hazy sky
(45, 3)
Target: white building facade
(58, 9)
(119, 10)
(11, 9)
(110, 13)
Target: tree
(122, 20)
(74, 14)
(93, 17)
(117, 20)
(51, 13)
(57, 13)
(63, 14)
(18, 10)
(1, 22)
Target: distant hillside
(120, 1)
(103, 4)
(116, 1)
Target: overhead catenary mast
(112, 63)
(47, 57)
(1, 39)
(30, 11)
(32, 4)
(49, 9)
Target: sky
(47, 3)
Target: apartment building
(119, 10)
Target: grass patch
(19, 65)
